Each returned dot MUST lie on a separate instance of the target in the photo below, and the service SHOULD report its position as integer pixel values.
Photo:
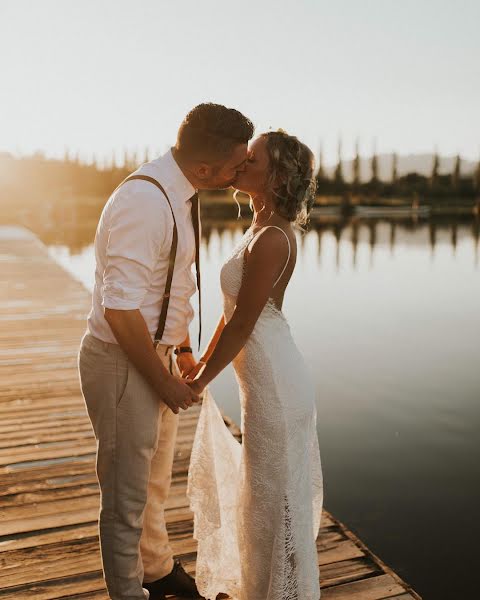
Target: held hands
(196, 370)
(179, 395)
(196, 386)
(184, 392)
(190, 369)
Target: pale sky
(103, 75)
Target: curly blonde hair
(291, 177)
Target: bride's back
(281, 284)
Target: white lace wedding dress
(257, 505)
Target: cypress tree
(435, 167)
(320, 171)
(394, 168)
(338, 176)
(374, 164)
(456, 173)
(356, 166)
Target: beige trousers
(135, 433)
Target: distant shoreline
(221, 205)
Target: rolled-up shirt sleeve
(137, 231)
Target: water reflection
(378, 232)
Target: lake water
(387, 317)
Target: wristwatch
(182, 349)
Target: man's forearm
(131, 332)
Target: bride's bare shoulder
(272, 238)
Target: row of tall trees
(446, 185)
(39, 177)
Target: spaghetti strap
(289, 249)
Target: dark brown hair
(210, 132)
(291, 176)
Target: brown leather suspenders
(171, 261)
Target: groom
(146, 243)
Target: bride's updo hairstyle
(291, 176)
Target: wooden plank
(58, 535)
(48, 495)
(16, 476)
(36, 412)
(177, 519)
(372, 588)
(347, 570)
(46, 451)
(68, 587)
(55, 560)
(42, 437)
(342, 550)
(25, 405)
(406, 596)
(45, 515)
(58, 418)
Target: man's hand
(186, 363)
(179, 395)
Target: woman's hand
(196, 370)
(187, 365)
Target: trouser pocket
(121, 382)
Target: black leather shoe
(176, 583)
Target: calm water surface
(387, 317)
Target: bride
(257, 505)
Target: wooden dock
(48, 490)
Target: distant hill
(410, 163)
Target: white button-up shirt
(132, 249)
